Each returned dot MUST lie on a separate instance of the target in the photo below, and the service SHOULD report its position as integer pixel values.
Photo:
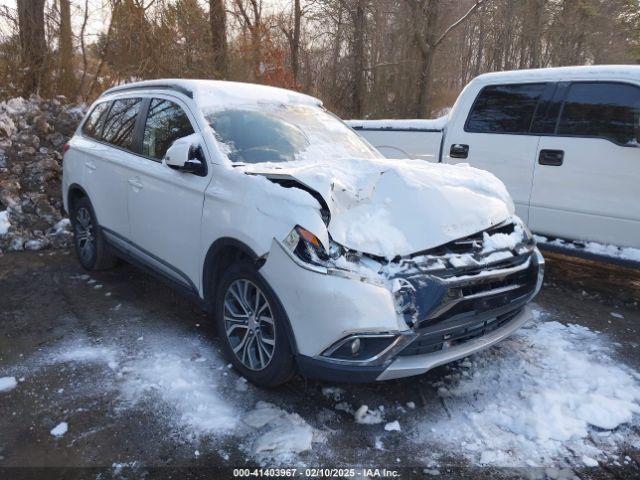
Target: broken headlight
(307, 247)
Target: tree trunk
(427, 46)
(33, 46)
(295, 41)
(359, 86)
(66, 77)
(218, 21)
(424, 84)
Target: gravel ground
(136, 374)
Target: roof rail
(156, 86)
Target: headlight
(307, 247)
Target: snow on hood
(399, 207)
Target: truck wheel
(250, 321)
(88, 240)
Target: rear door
(107, 142)
(587, 172)
(495, 136)
(165, 205)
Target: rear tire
(251, 325)
(88, 240)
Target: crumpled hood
(399, 207)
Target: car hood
(392, 208)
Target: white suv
(313, 252)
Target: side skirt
(150, 264)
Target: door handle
(136, 184)
(90, 165)
(553, 158)
(459, 150)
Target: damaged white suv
(314, 253)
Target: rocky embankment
(32, 135)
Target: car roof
(218, 91)
(593, 72)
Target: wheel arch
(221, 254)
(74, 192)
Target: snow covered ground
(129, 364)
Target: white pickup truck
(565, 141)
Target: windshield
(282, 133)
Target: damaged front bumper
(429, 318)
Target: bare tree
(425, 15)
(250, 13)
(218, 21)
(359, 14)
(293, 38)
(66, 76)
(33, 46)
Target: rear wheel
(251, 324)
(88, 240)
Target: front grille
(474, 296)
(438, 337)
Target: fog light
(355, 347)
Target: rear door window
(119, 128)
(605, 110)
(505, 108)
(166, 122)
(92, 127)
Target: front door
(165, 205)
(496, 137)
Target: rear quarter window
(605, 110)
(504, 108)
(92, 127)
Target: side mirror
(185, 155)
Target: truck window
(605, 110)
(504, 108)
(121, 122)
(93, 126)
(166, 122)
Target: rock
(32, 134)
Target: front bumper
(457, 313)
(407, 366)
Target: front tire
(87, 238)
(251, 326)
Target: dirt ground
(106, 353)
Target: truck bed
(417, 139)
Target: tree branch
(457, 22)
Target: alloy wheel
(84, 234)
(249, 324)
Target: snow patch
(536, 399)
(436, 124)
(7, 384)
(392, 426)
(4, 222)
(367, 417)
(189, 388)
(285, 433)
(595, 248)
(60, 429)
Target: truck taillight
(65, 148)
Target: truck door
(587, 170)
(495, 136)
